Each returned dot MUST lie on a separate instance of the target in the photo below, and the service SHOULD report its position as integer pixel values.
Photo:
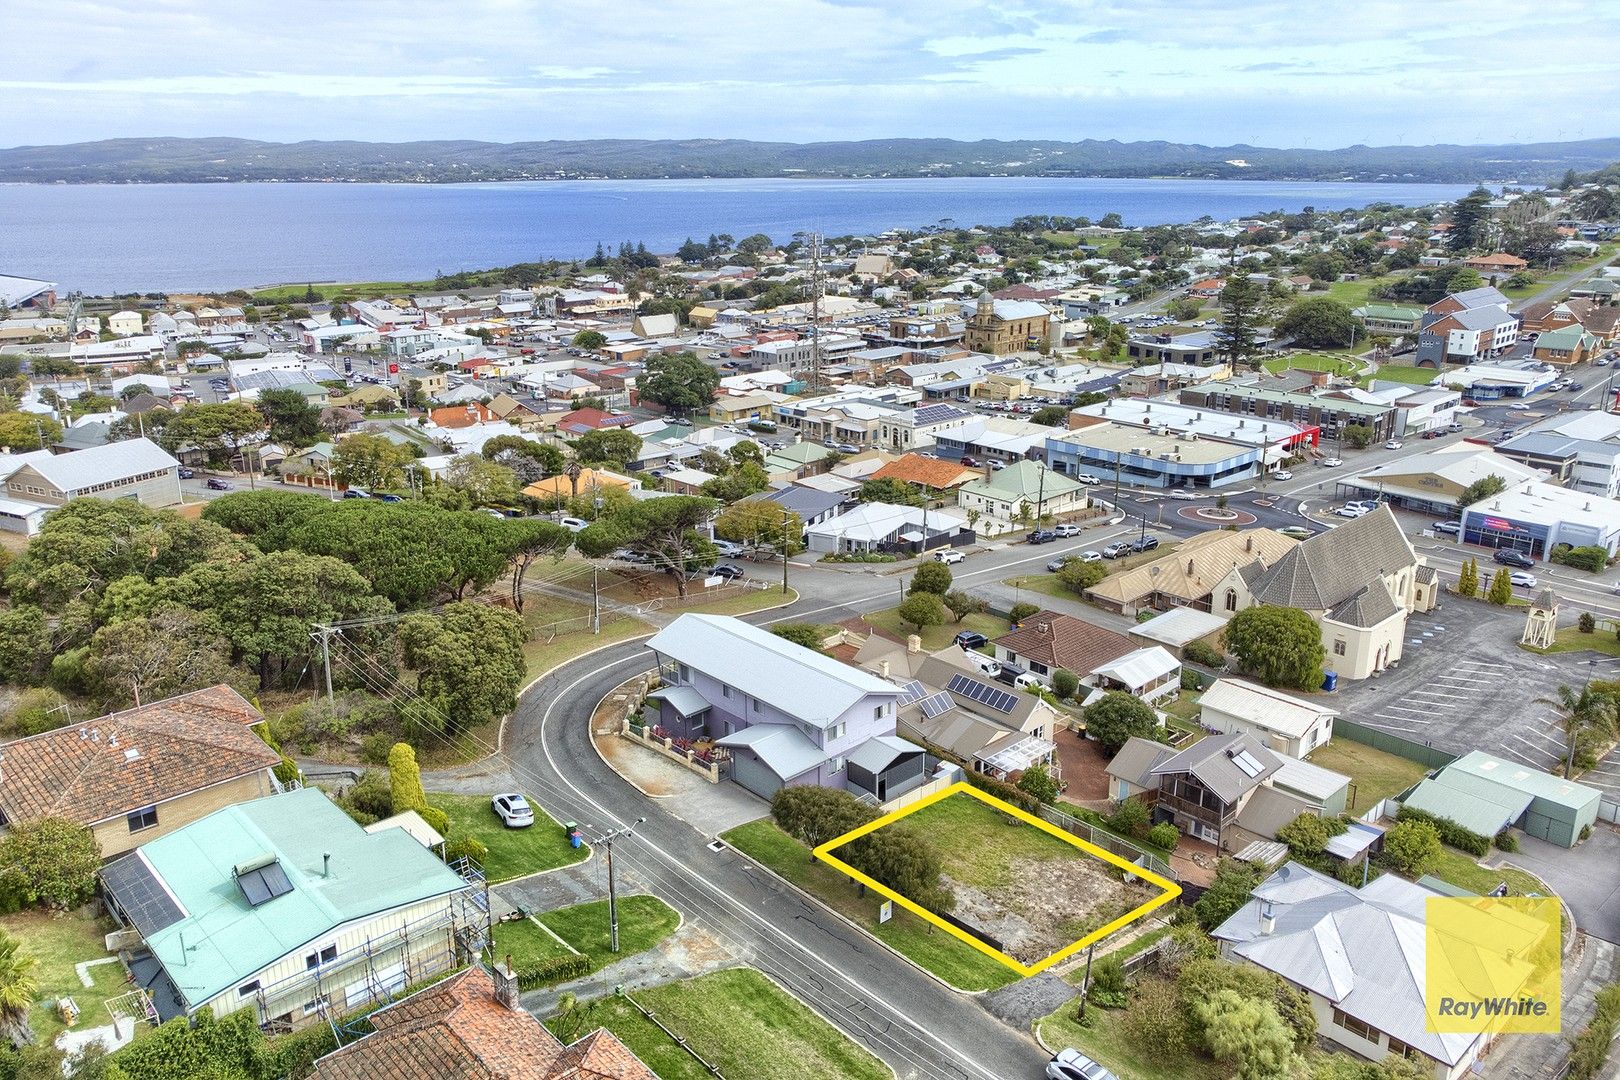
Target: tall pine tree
(1470, 220)
(1240, 319)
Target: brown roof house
(472, 1027)
(135, 775)
(926, 471)
(1194, 575)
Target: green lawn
(1355, 293)
(1417, 376)
(936, 637)
(739, 1020)
(644, 921)
(512, 852)
(1460, 869)
(296, 294)
(1104, 1041)
(523, 941)
(1311, 362)
(743, 603)
(541, 655)
(1376, 774)
(953, 960)
(58, 942)
(977, 843)
(1185, 707)
(1044, 584)
(1570, 639)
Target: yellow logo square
(1491, 964)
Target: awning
(1350, 845)
(911, 537)
(1020, 755)
(683, 699)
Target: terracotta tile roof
(456, 1030)
(1063, 641)
(592, 419)
(460, 416)
(918, 469)
(86, 772)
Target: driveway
(1586, 876)
(1543, 1057)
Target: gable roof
(140, 757)
(1212, 761)
(108, 463)
(921, 469)
(1195, 567)
(1333, 566)
(457, 1030)
(1023, 480)
(1136, 761)
(1063, 641)
(1263, 706)
(799, 681)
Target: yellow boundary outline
(1171, 889)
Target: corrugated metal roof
(1262, 706)
(784, 749)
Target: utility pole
(325, 632)
(1085, 986)
(596, 604)
(606, 843)
(786, 518)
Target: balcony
(1214, 818)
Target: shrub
(1190, 679)
(1412, 846)
(931, 577)
(1002, 790)
(1586, 623)
(1156, 1023)
(1116, 718)
(1307, 835)
(1037, 782)
(374, 748)
(369, 795)
(1065, 683)
(436, 818)
(1234, 883)
(466, 847)
(1203, 653)
(1164, 835)
(815, 815)
(1586, 833)
(1107, 987)
(1130, 818)
(1451, 833)
(50, 861)
(1501, 589)
(1591, 1049)
(922, 609)
(535, 973)
(1592, 559)
(963, 603)
(1020, 612)
(404, 779)
(1506, 841)
(37, 710)
(1078, 576)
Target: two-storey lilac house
(789, 715)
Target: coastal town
(978, 650)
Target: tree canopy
(1117, 717)
(1318, 322)
(679, 381)
(664, 531)
(1279, 646)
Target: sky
(1298, 73)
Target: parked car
(391, 498)
(1117, 551)
(1518, 559)
(1042, 536)
(572, 524)
(1433, 434)
(1454, 428)
(727, 548)
(971, 463)
(217, 484)
(357, 493)
(513, 810)
(1145, 543)
(1282, 474)
(1296, 532)
(951, 556)
(1393, 444)
(1447, 528)
(1066, 529)
(970, 639)
(997, 466)
(185, 473)
(1332, 462)
(729, 571)
(1057, 564)
(1090, 556)
(1071, 1064)
(1575, 387)
(1366, 505)
(1523, 579)
(1087, 478)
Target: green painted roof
(1022, 480)
(1533, 782)
(791, 457)
(225, 940)
(1565, 337)
(1388, 311)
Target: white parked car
(1282, 474)
(1096, 556)
(1523, 578)
(1182, 493)
(573, 524)
(1087, 478)
(1332, 462)
(513, 810)
(952, 556)
(1393, 444)
(1350, 512)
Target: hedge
(554, 969)
(1591, 1049)
(1451, 833)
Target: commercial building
(1327, 412)
(39, 481)
(999, 327)
(1467, 327)
(1157, 458)
(1580, 449)
(1431, 483)
(1534, 517)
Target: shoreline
(1388, 181)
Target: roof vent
(131, 754)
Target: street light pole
(786, 517)
(606, 841)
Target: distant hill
(225, 160)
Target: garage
(753, 774)
(765, 757)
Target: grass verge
(738, 1019)
(57, 942)
(953, 960)
(512, 852)
(1376, 774)
(935, 637)
(644, 921)
(541, 655)
(743, 603)
(1570, 639)
(1460, 869)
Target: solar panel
(264, 883)
(912, 691)
(1245, 761)
(929, 414)
(990, 697)
(935, 704)
(140, 895)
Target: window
(1038, 668)
(144, 818)
(835, 732)
(877, 713)
(686, 673)
(725, 691)
(1338, 647)
(324, 956)
(316, 1006)
(1410, 1053)
(1231, 599)
(1354, 1026)
(837, 764)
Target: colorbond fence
(1425, 754)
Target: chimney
(506, 984)
(1268, 918)
(1248, 543)
(913, 644)
(883, 668)
(1189, 567)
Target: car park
(952, 556)
(1145, 543)
(970, 639)
(1042, 536)
(1071, 1064)
(216, 484)
(1517, 559)
(1117, 550)
(513, 810)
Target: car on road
(1454, 428)
(1518, 559)
(1575, 387)
(729, 571)
(1351, 512)
(185, 473)
(513, 810)
(1182, 493)
(952, 556)
(1057, 564)
(997, 466)
(1523, 579)
(970, 639)
(1087, 478)
(1066, 529)
(1393, 444)
(1117, 550)
(1447, 528)
(1332, 462)
(1281, 474)
(1071, 1064)
(1602, 361)
(572, 524)
(216, 484)
(1042, 536)
(1519, 406)
(1145, 543)
(1296, 532)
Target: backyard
(1374, 774)
(513, 853)
(58, 941)
(935, 638)
(955, 961)
(738, 1020)
(1460, 869)
(1030, 891)
(1103, 1038)
(644, 921)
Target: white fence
(1609, 811)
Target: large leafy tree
(370, 461)
(1279, 646)
(218, 430)
(1483, 488)
(468, 663)
(528, 541)
(1318, 322)
(889, 490)
(147, 658)
(263, 516)
(293, 421)
(680, 382)
(50, 861)
(1247, 1035)
(1470, 220)
(482, 481)
(744, 479)
(21, 431)
(759, 523)
(528, 460)
(662, 530)
(1117, 717)
(609, 446)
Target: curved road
(907, 1019)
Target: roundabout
(1217, 516)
